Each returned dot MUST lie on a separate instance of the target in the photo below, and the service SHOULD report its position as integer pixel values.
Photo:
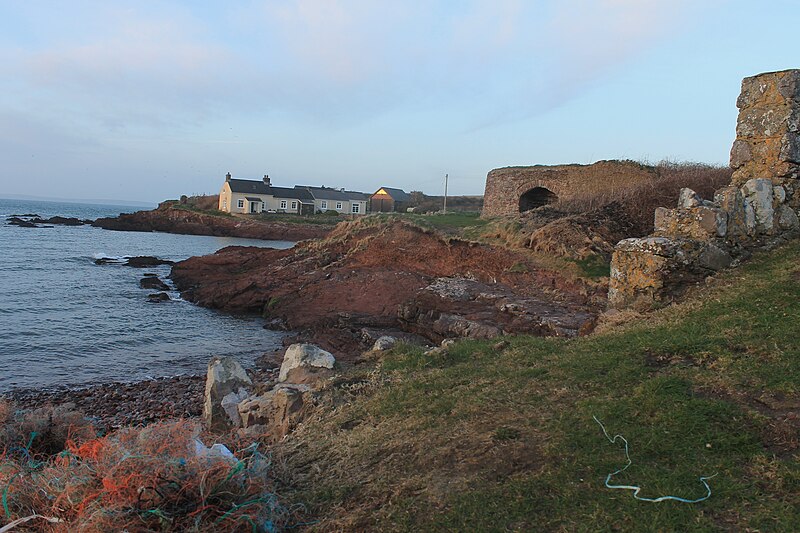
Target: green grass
(449, 222)
(594, 266)
(193, 209)
(291, 218)
(488, 438)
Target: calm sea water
(65, 321)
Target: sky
(148, 100)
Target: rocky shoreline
(371, 278)
(114, 405)
(170, 219)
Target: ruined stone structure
(512, 190)
(756, 209)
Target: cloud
(152, 66)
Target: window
(338, 205)
(356, 207)
(283, 204)
(323, 204)
(240, 205)
(224, 205)
(263, 206)
(294, 205)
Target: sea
(68, 322)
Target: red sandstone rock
(366, 273)
(171, 220)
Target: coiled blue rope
(636, 489)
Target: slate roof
(259, 187)
(398, 195)
(329, 193)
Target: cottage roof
(398, 195)
(329, 193)
(259, 187)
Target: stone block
(731, 201)
(700, 223)
(758, 206)
(714, 258)
(305, 355)
(277, 411)
(790, 148)
(772, 121)
(639, 269)
(786, 218)
(688, 198)
(770, 88)
(651, 271)
(227, 384)
(741, 153)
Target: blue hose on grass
(636, 489)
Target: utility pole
(444, 210)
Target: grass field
(489, 437)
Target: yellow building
(260, 196)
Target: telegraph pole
(444, 210)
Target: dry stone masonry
(512, 190)
(758, 208)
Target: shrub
(641, 199)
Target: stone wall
(757, 209)
(505, 186)
(767, 144)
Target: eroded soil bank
(372, 277)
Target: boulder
(384, 343)
(147, 261)
(16, 221)
(305, 356)
(158, 297)
(227, 385)
(151, 282)
(276, 412)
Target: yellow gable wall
(225, 198)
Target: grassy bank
(501, 437)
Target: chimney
(228, 176)
(266, 179)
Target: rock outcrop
(171, 219)
(139, 261)
(757, 209)
(152, 282)
(374, 274)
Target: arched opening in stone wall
(536, 197)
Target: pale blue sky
(147, 100)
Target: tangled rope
(635, 488)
